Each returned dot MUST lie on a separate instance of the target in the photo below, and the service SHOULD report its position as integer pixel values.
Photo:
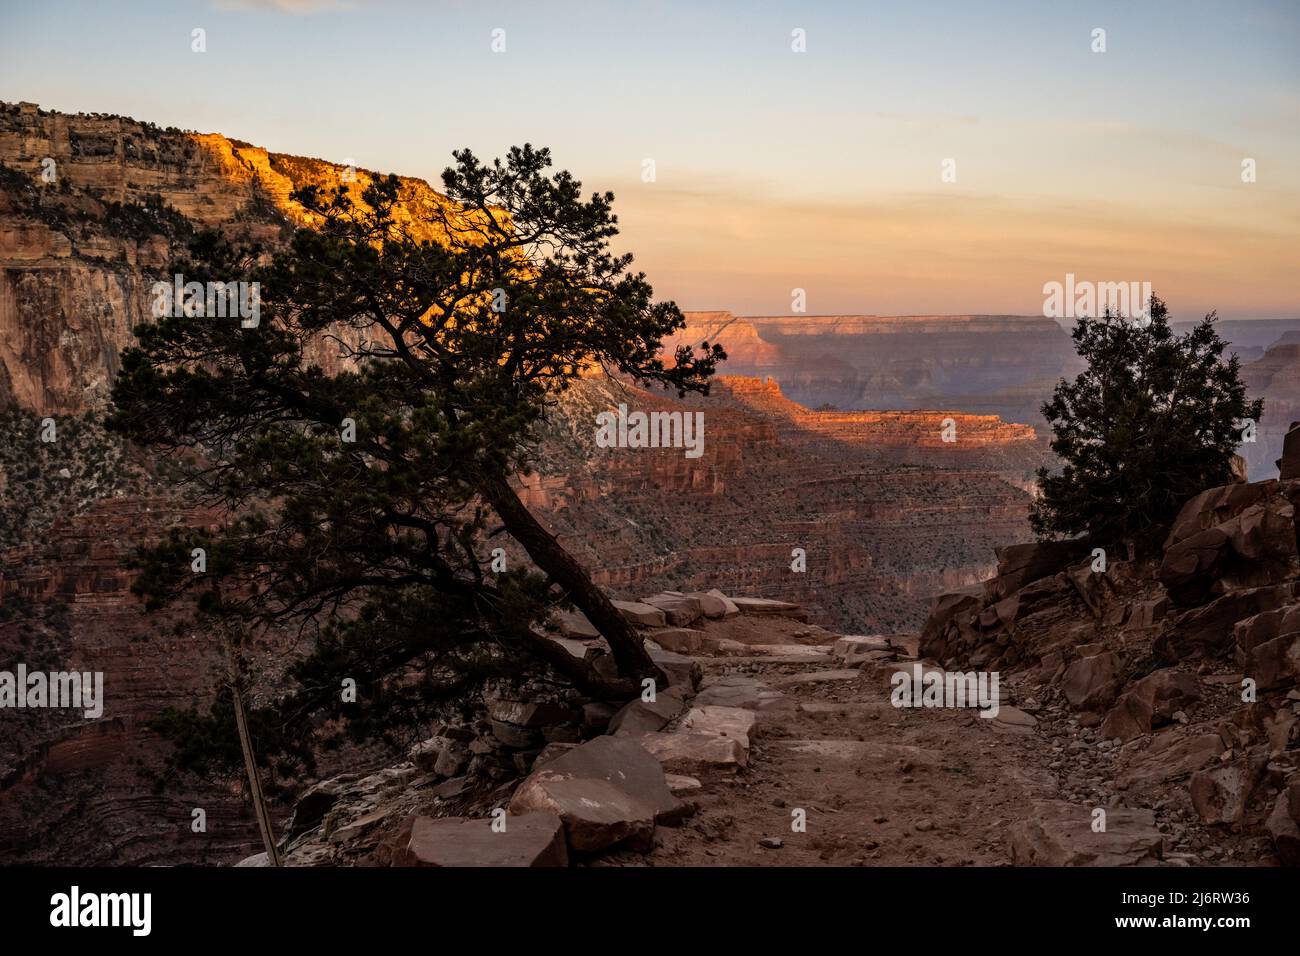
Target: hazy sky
(774, 169)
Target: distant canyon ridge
(1003, 365)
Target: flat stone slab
(574, 624)
(1056, 833)
(680, 640)
(750, 605)
(736, 690)
(696, 755)
(645, 615)
(530, 839)
(735, 722)
(626, 764)
(851, 646)
(641, 717)
(815, 677)
(1014, 719)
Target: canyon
(894, 453)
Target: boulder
(1014, 719)
(1216, 505)
(680, 640)
(945, 608)
(1220, 794)
(715, 604)
(1268, 647)
(1150, 703)
(1020, 564)
(1191, 567)
(597, 814)
(643, 615)
(1091, 683)
(530, 839)
(679, 609)
(1170, 756)
(624, 763)
(640, 716)
(1055, 833)
(530, 714)
(1209, 631)
(680, 670)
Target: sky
(773, 170)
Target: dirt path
(880, 786)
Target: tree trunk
(250, 761)
(625, 643)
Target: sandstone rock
(1283, 831)
(1220, 794)
(681, 784)
(626, 764)
(1268, 647)
(597, 715)
(715, 604)
(1216, 505)
(1014, 719)
(751, 605)
(529, 714)
(735, 690)
(1021, 564)
(696, 755)
(574, 624)
(945, 608)
(1149, 703)
(1190, 567)
(257, 859)
(734, 722)
(680, 640)
(1170, 756)
(639, 716)
(529, 839)
(1055, 833)
(644, 615)
(1091, 683)
(679, 670)
(520, 738)
(1208, 631)
(852, 648)
(596, 813)
(679, 609)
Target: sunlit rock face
(1002, 365)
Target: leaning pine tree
(361, 504)
(1154, 419)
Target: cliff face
(76, 266)
(1275, 377)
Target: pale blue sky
(774, 169)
